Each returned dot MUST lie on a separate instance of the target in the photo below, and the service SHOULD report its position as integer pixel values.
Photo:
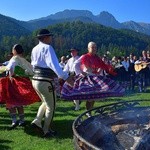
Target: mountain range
(104, 18)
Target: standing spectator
(62, 62)
(126, 74)
(145, 71)
(114, 61)
(141, 74)
(148, 75)
(45, 64)
(106, 61)
(132, 72)
(119, 69)
(148, 54)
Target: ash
(133, 139)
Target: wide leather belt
(44, 72)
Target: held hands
(61, 82)
(70, 80)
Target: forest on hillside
(78, 34)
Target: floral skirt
(17, 91)
(91, 87)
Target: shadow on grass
(5, 123)
(3, 146)
(63, 128)
(147, 91)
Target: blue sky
(122, 10)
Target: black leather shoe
(37, 129)
(50, 134)
(54, 133)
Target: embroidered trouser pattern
(46, 92)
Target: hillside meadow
(23, 138)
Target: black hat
(44, 32)
(73, 49)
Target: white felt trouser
(46, 109)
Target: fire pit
(118, 126)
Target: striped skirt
(91, 87)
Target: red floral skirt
(17, 91)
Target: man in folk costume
(69, 68)
(45, 64)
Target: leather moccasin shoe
(37, 129)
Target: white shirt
(5, 63)
(43, 55)
(62, 65)
(11, 66)
(77, 66)
(69, 67)
(137, 62)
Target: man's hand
(70, 80)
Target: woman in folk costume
(16, 89)
(89, 84)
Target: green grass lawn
(24, 138)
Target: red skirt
(17, 91)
